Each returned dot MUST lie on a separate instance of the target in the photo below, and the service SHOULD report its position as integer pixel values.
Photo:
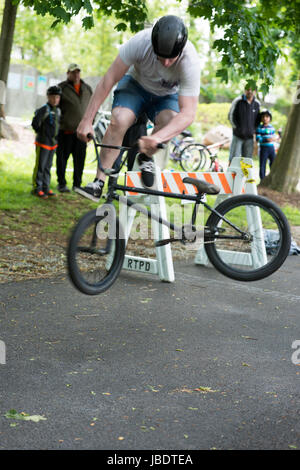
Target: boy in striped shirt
(265, 136)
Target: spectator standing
(46, 125)
(244, 118)
(75, 97)
(265, 136)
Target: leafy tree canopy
(253, 34)
(133, 14)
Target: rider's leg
(146, 162)
(163, 118)
(121, 120)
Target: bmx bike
(233, 234)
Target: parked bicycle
(191, 156)
(101, 123)
(233, 234)
(214, 163)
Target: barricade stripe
(180, 185)
(166, 186)
(225, 184)
(191, 187)
(208, 178)
(172, 181)
(129, 182)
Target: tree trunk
(285, 171)
(6, 37)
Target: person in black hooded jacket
(244, 117)
(45, 122)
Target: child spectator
(46, 125)
(265, 136)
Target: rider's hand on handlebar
(84, 130)
(149, 144)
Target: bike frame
(114, 186)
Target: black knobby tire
(95, 252)
(193, 157)
(226, 255)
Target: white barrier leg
(161, 232)
(244, 180)
(163, 264)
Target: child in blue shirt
(265, 136)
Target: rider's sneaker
(146, 165)
(92, 190)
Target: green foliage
(252, 35)
(133, 13)
(33, 37)
(212, 114)
(279, 119)
(51, 49)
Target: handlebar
(111, 171)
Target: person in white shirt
(158, 72)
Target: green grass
(22, 212)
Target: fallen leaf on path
(13, 414)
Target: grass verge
(21, 212)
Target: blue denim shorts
(130, 94)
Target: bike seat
(202, 186)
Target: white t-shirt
(183, 77)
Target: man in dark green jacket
(75, 97)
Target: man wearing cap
(75, 97)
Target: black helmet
(169, 36)
(267, 112)
(54, 90)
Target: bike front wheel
(248, 238)
(96, 252)
(193, 157)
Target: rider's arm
(112, 76)
(183, 119)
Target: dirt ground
(27, 255)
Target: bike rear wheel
(240, 251)
(193, 157)
(95, 252)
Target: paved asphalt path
(202, 363)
